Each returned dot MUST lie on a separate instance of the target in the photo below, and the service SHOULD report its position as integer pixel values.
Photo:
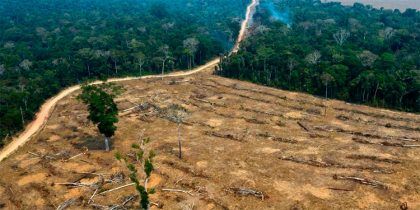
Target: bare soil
(245, 147)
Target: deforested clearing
(244, 147)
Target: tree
(265, 53)
(103, 111)
(291, 64)
(2, 69)
(388, 33)
(313, 58)
(86, 54)
(115, 56)
(341, 36)
(190, 48)
(166, 55)
(25, 64)
(326, 78)
(140, 59)
(367, 58)
(177, 114)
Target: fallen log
(246, 192)
(117, 188)
(303, 126)
(178, 190)
(364, 181)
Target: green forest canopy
(46, 45)
(358, 54)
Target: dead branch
(246, 192)
(98, 206)
(323, 164)
(278, 139)
(92, 173)
(73, 157)
(364, 181)
(66, 204)
(303, 126)
(339, 189)
(374, 158)
(411, 145)
(73, 184)
(159, 205)
(178, 190)
(42, 156)
(93, 195)
(117, 188)
(384, 143)
(223, 135)
(126, 200)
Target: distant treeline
(46, 45)
(357, 54)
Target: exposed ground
(238, 136)
(387, 4)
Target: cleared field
(387, 4)
(276, 146)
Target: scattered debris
(67, 203)
(404, 206)
(324, 164)
(384, 143)
(278, 139)
(364, 181)
(303, 126)
(339, 189)
(246, 192)
(117, 188)
(374, 158)
(230, 136)
(178, 190)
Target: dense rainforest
(46, 45)
(357, 54)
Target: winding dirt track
(43, 115)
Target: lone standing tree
(177, 114)
(102, 108)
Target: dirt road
(250, 10)
(42, 116)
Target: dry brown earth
(238, 135)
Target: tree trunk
(179, 141)
(376, 91)
(88, 67)
(107, 144)
(21, 115)
(140, 68)
(363, 95)
(163, 68)
(326, 91)
(115, 67)
(264, 65)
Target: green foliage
(148, 167)
(46, 46)
(358, 53)
(135, 146)
(102, 109)
(139, 150)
